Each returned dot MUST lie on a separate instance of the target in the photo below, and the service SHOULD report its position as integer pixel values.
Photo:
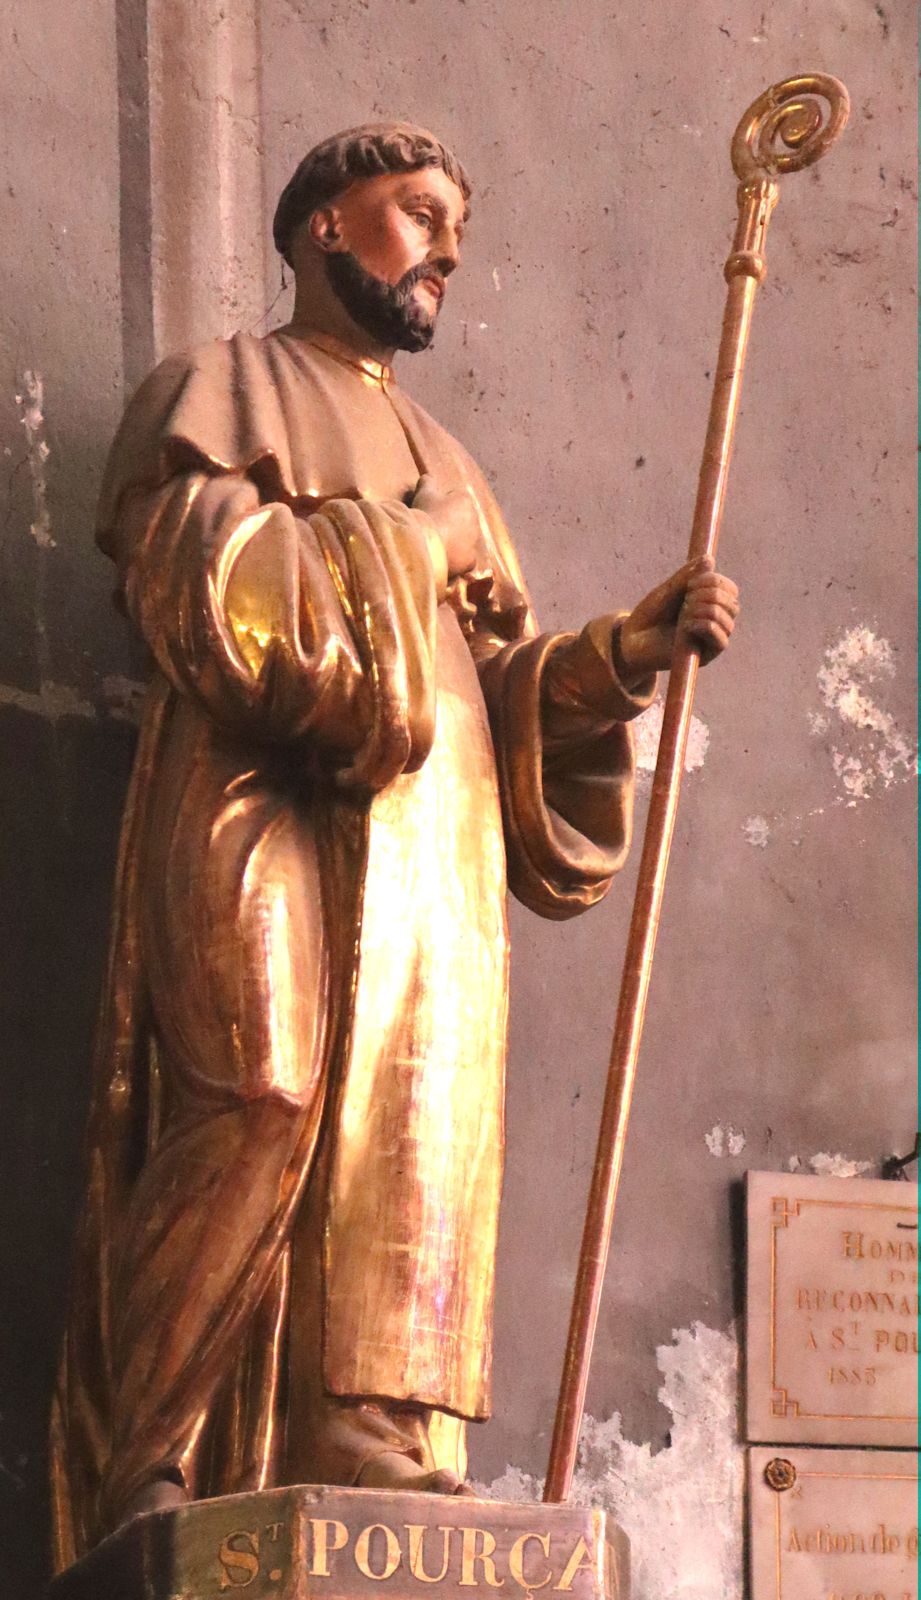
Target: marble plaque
(833, 1524)
(832, 1322)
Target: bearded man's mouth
(436, 285)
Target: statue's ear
(325, 228)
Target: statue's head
(383, 206)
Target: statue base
(315, 1543)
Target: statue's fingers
(709, 632)
(698, 599)
(700, 605)
(666, 599)
(713, 583)
(709, 611)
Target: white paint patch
(31, 402)
(496, 280)
(757, 831)
(826, 1165)
(876, 752)
(838, 1166)
(724, 1141)
(682, 1506)
(647, 730)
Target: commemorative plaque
(350, 1544)
(833, 1524)
(832, 1325)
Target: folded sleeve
(582, 692)
(560, 719)
(318, 629)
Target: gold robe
(339, 759)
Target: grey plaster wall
(574, 361)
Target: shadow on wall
(66, 755)
(62, 785)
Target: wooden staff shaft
(647, 906)
(781, 110)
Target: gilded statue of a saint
(355, 736)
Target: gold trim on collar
(373, 371)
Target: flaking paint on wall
(647, 730)
(681, 1506)
(870, 750)
(826, 1165)
(52, 701)
(757, 831)
(723, 1140)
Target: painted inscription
(846, 1528)
(243, 1554)
(405, 1555)
(317, 1542)
(833, 1305)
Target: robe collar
(374, 372)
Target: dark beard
(387, 311)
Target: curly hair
(362, 152)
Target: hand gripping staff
(787, 127)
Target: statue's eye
(423, 218)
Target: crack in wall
(30, 401)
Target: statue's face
(391, 242)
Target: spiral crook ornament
(789, 126)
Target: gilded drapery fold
(316, 629)
(81, 1411)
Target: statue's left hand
(696, 602)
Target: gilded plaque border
(854, 1477)
(782, 1404)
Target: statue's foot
(162, 1494)
(391, 1470)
